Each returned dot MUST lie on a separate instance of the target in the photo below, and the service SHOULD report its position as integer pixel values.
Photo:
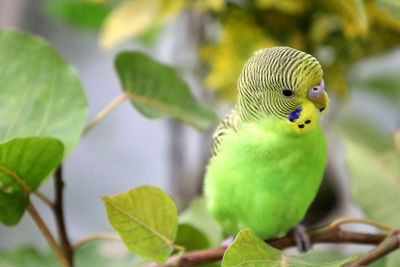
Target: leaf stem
(104, 112)
(59, 215)
(50, 239)
(96, 236)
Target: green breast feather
(266, 173)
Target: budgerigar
(269, 153)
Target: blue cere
(294, 115)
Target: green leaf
(149, 36)
(132, 18)
(375, 182)
(392, 6)
(96, 253)
(396, 141)
(393, 259)
(146, 219)
(356, 125)
(79, 13)
(40, 94)
(156, 90)
(385, 85)
(28, 256)
(322, 255)
(191, 238)
(198, 216)
(250, 250)
(24, 164)
(104, 254)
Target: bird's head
(279, 81)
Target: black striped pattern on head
(267, 73)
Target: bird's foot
(228, 241)
(301, 238)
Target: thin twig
(103, 113)
(59, 215)
(96, 236)
(346, 220)
(326, 234)
(50, 239)
(43, 198)
(391, 243)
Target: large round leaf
(40, 94)
(375, 182)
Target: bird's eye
(287, 93)
(316, 91)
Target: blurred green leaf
(146, 219)
(323, 255)
(149, 36)
(40, 94)
(393, 259)
(24, 164)
(132, 18)
(248, 249)
(99, 254)
(78, 12)
(391, 6)
(358, 126)
(375, 182)
(28, 256)
(198, 216)
(396, 140)
(383, 84)
(156, 90)
(104, 254)
(191, 238)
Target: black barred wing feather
(230, 122)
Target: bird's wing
(230, 122)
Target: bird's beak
(321, 102)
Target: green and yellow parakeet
(269, 153)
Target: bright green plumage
(269, 153)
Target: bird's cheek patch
(295, 114)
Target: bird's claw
(301, 238)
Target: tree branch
(50, 239)
(326, 234)
(59, 215)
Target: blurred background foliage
(357, 43)
(338, 32)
